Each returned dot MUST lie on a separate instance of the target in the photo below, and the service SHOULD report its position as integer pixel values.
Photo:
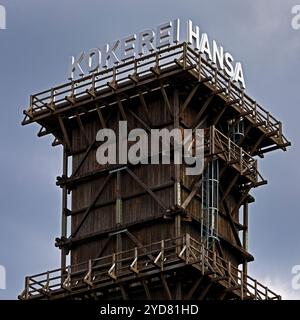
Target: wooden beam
(178, 291)
(242, 199)
(144, 186)
(64, 131)
(192, 194)
(178, 178)
(121, 108)
(90, 147)
(266, 150)
(223, 295)
(101, 118)
(139, 244)
(145, 108)
(189, 98)
(219, 116)
(203, 109)
(232, 224)
(103, 248)
(146, 288)
(64, 217)
(79, 122)
(205, 291)
(140, 120)
(232, 183)
(165, 286)
(166, 99)
(247, 131)
(87, 212)
(123, 292)
(200, 122)
(128, 197)
(192, 291)
(258, 142)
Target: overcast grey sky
(34, 54)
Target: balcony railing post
(184, 55)
(52, 99)
(229, 89)
(280, 129)
(26, 293)
(188, 244)
(266, 293)
(134, 265)
(200, 67)
(229, 272)
(112, 271)
(202, 259)
(242, 285)
(243, 97)
(31, 105)
(255, 290)
(241, 160)
(89, 274)
(268, 120)
(162, 254)
(46, 287)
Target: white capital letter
(108, 53)
(163, 35)
(239, 75)
(127, 47)
(75, 64)
(193, 35)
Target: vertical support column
(212, 140)
(210, 203)
(177, 168)
(64, 218)
(119, 217)
(178, 291)
(245, 237)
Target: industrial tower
(151, 231)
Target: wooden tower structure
(151, 231)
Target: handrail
(180, 54)
(156, 256)
(224, 147)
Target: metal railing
(156, 257)
(233, 93)
(231, 153)
(153, 65)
